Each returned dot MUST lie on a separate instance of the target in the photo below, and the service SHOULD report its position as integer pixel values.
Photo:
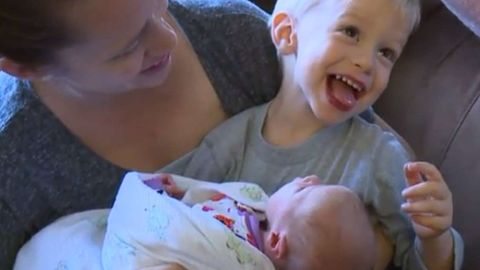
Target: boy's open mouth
(343, 92)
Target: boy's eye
(351, 31)
(389, 54)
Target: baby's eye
(351, 31)
(389, 54)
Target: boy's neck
(289, 120)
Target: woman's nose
(161, 37)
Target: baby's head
(339, 53)
(314, 226)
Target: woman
(93, 88)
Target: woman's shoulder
(10, 99)
(23, 123)
(232, 41)
(220, 18)
(30, 134)
(222, 7)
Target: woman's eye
(389, 54)
(351, 31)
(131, 49)
(128, 51)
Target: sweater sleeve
(390, 181)
(12, 236)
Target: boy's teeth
(349, 82)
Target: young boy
(336, 58)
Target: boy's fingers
(428, 170)
(426, 190)
(412, 176)
(434, 223)
(430, 208)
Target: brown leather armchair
(433, 102)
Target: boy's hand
(428, 200)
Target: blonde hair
(297, 8)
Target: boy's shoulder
(238, 125)
(378, 138)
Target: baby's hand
(428, 200)
(170, 187)
(165, 182)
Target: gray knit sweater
(46, 172)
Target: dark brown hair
(31, 30)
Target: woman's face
(119, 45)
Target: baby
(307, 225)
(163, 221)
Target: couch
(433, 102)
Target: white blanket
(144, 230)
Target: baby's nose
(312, 179)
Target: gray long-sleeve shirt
(355, 154)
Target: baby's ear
(277, 245)
(283, 33)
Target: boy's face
(345, 53)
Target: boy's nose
(364, 61)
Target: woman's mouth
(160, 64)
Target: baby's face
(285, 200)
(328, 218)
(345, 53)
(283, 203)
(302, 197)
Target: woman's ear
(283, 33)
(19, 70)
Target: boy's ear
(19, 70)
(283, 33)
(277, 243)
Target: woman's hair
(298, 7)
(32, 30)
